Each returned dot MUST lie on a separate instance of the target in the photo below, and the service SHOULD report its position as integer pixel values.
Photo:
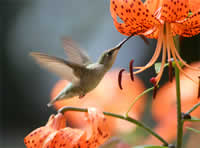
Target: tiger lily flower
(159, 19)
(55, 134)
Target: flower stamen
(153, 59)
(199, 88)
(158, 77)
(170, 70)
(131, 69)
(155, 84)
(120, 78)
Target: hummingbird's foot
(81, 96)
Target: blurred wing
(55, 65)
(74, 52)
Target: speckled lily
(55, 134)
(160, 19)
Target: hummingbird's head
(109, 56)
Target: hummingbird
(83, 74)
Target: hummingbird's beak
(121, 43)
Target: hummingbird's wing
(65, 69)
(74, 52)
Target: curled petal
(189, 27)
(153, 34)
(174, 10)
(36, 138)
(56, 122)
(67, 138)
(136, 18)
(99, 130)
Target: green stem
(64, 109)
(138, 97)
(193, 108)
(178, 106)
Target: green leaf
(193, 119)
(150, 146)
(194, 130)
(157, 66)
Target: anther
(199, 89)
(155, 91)
(154, 82)
(170, 70)
(131, 69)
(120, 78)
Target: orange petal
(36, 138)
(188, 27)
(154, 34)
(174, 10)
(67, 138)
(126, 29)
(57, 122)
(194, 5)
(136, 17)
(93, 137)
(99, 130)
(152, 5)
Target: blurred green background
(38, 25)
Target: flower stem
(178, 106)
(193, 108)
(127, 118)
(139, 96)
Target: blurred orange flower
(160, 19)
(55, 134)
(108, 97)
(164, 106)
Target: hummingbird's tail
(66, 93)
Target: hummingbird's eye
(109, 54)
